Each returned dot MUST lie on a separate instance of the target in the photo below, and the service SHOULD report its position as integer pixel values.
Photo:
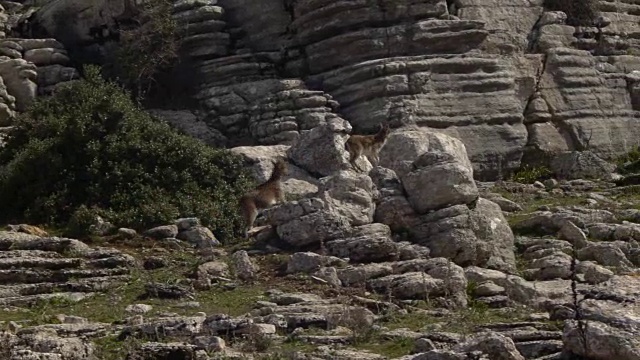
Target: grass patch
(232, 302)
(391, 348)
(463, 321)
(110, 348)
(413, 321)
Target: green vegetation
(90, 147)
(629, 162)
(530, 174)
(579, 12)
(147, 49)
(391, 348)
(110, 348)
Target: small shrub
(529, 174)
(629, 162)
(147, 49)
(579, 12)
(90, 145)
(82, 221)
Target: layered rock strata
(34, 268)
(241, 92)
(428, 64)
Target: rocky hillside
(428, 256)
(352, 266)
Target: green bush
(579, 12)
(90, 145)
(529, 174)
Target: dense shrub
(90, 145)
(579, 12)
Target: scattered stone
(550, 184)
(210, 343)
(154, 262)
(488, 288)
(138, 308)
(70, 319)
(594, 273)
(200, 236)
(423, 345)
(184, 224)
(244, 268)
(496, 346)
(127, 233)
(570, 232)
(310, 262)
(505, 204)
(162, 232)
(28, 229)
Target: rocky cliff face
(508, 78)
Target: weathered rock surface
(508, 80)
(470, 235)
(298, 183)
(581, 165)
(321, 151)
(36, 268)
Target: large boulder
(437, 279)
(368, 243)
(439, 179)
(434, 168)
(308, 222)
(602, 341)
(405, 145)
(74, 22)
(581, 165)
(188, 123)
(351, 194)
(321, 151)
(469, 235)
(20, 78)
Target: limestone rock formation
(515, 83)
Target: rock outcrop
(462, 70)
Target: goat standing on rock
(264, 195)
(368, 145)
